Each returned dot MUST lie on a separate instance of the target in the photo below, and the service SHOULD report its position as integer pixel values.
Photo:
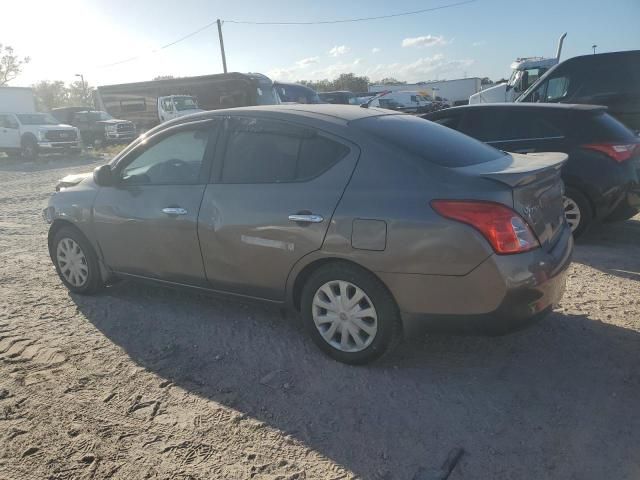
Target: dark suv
(601, 175)
(96, 127)
(610, 79)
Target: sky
(478, 39)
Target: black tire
(29, 149)
(388, 317)
(584, 208)
(93, 282)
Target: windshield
(37, 119)
(515, 78)
(266, 94)
(298, 94)
(184, 103)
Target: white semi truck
(525, 72)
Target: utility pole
(594, 48)
(84, 85)
(224, 57)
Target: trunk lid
(537, 189)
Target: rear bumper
(503, 294)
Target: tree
(349, 81)
(79, 94)
(10, 64)
(51, 94)
(389, 81)
(486, 81)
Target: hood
(113, 121)
(495, 94)
(72, 180)
(60, 126)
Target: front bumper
(502, 294)
(58, 146)
(120, 135)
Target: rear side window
(430, 141)
(262, 151)
(451, 122)
(511, 124)
(602, 127)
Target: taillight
(504, 229)
(618, 152)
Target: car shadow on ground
(599, 248)
(558, 400)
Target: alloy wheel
(572, 213)
(345, 316)
(72, 262)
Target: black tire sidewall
(29, 142)
(586, 213)
(94, 281)
(383, 302)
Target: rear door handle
(310, 218)
(174, 211)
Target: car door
(272, 196)
(146, 223)
(9, 132)
(518, 130)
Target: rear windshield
(433, 142)
(602, 127)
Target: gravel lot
(147, 382)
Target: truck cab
(174, 106)
(525, 72)
(29, 134)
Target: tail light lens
(504, 229)
(618, 152)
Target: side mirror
(103, 176)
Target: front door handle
(309, 218)
(174, 211)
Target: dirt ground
(144, 382)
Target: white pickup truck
(29, 134)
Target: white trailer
(17, 100)
(456, 91)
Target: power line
(320, 22)
(350, 20)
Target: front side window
(261, 151)
(174, 160)
(557, 89)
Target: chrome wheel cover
(345, 316)
(72, 262)
(572, 213)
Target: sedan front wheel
(75, 261)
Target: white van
(406, 101)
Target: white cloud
(338, 50)
(357, 61)
(479, 43)
(375, 50)
(425, 41)
(307, 61)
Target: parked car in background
(406, 101)
(611, 79)
(146, 104)
(296, 93)
(601, 174)
(338, 97)
(274, 203)
(29, 134)
(96, 127)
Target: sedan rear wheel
(349, 313)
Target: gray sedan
(370, 223)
